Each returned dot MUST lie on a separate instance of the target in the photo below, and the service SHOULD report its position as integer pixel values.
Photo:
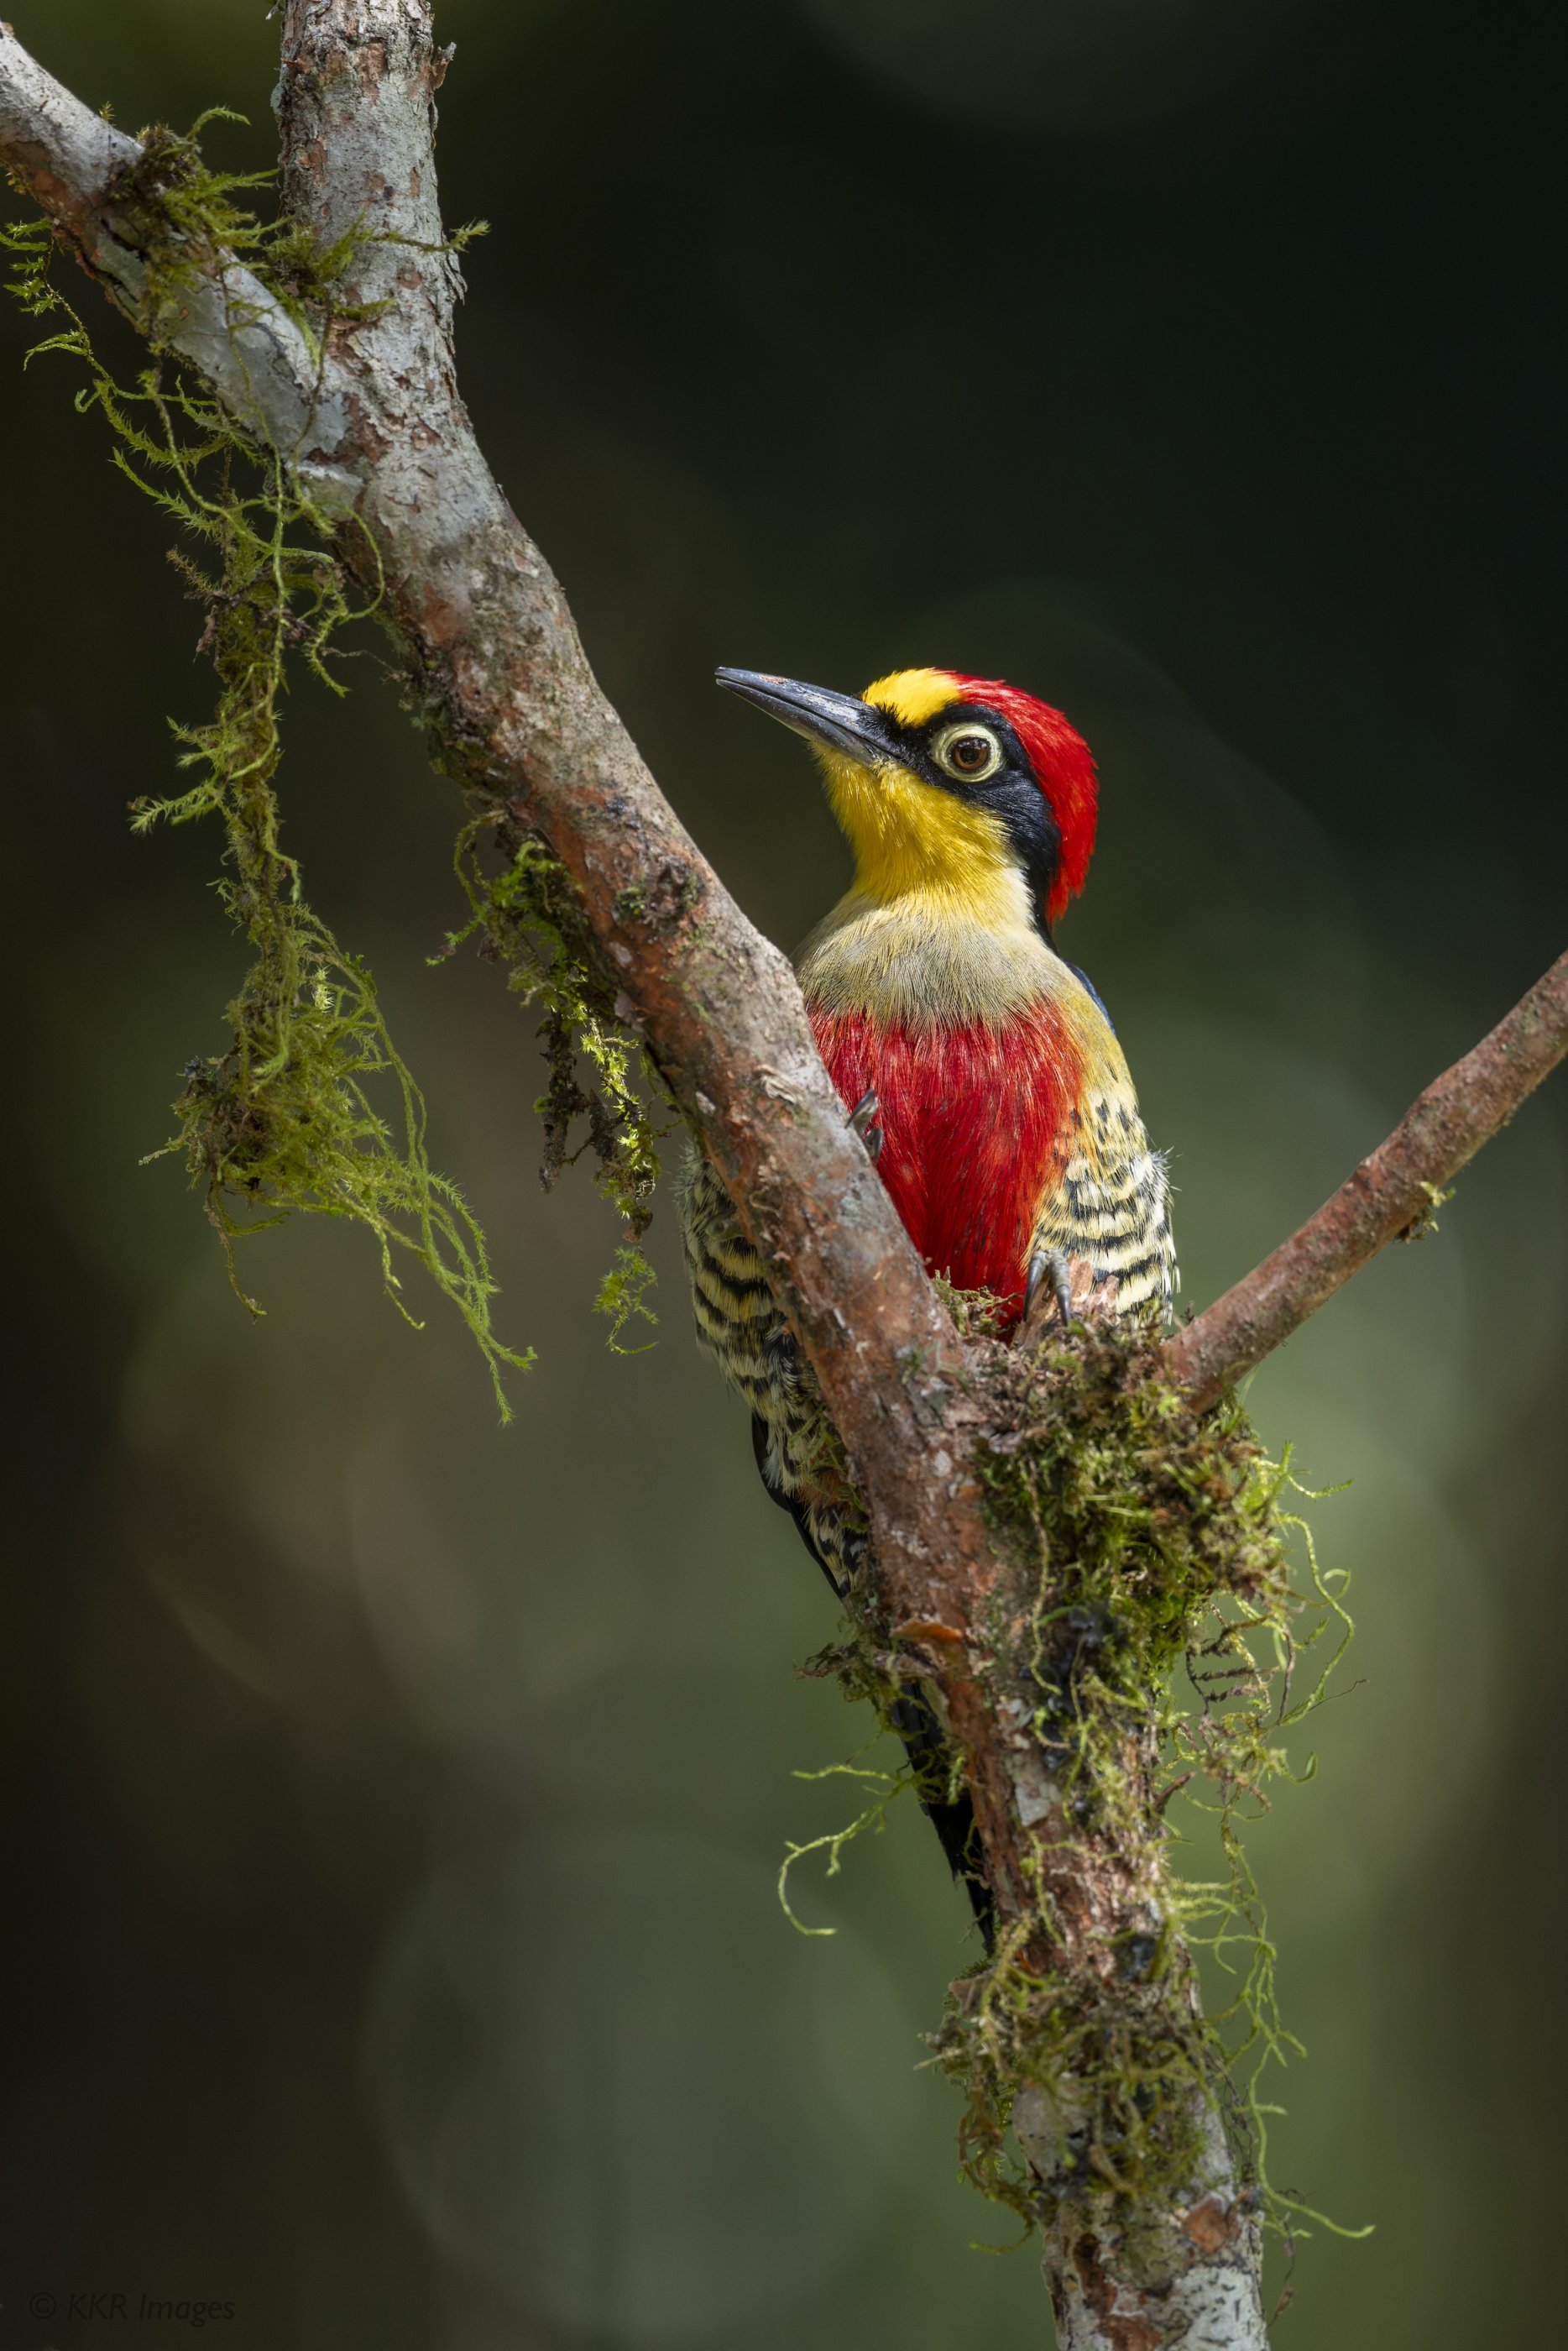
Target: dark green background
(392, 1803)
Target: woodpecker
(979, 1068)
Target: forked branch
(373, 430)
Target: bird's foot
(1063, 1291)
(1050, 1266)
(862, 1120)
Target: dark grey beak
(839, 720)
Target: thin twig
(1390, 1197)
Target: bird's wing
(1106, 1203)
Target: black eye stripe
(1009, 791)
(914, 744)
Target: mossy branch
(418, 525)
(1148, 1545)
(286, 1120)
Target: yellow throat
(913, 841)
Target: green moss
(883, 1788)
(601, 1083)
(1151, 1639)
(1153, 1653)
(311, 1109)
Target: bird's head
(959, 787)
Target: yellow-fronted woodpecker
(978, 1066)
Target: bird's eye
(971, 753)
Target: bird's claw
(862, 1122)
(1050, 1265)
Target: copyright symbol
(44, 2305)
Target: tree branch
(89, 180)
(1388, 1198)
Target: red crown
(1063, 768)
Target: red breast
(976, 1124)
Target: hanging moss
(529, 916)
(311, 1109)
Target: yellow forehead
(913, 696)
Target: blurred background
(393, 1803)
